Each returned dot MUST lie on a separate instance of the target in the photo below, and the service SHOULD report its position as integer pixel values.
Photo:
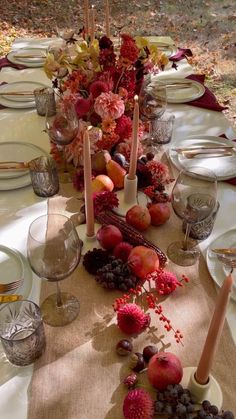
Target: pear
(116, 173)
(99, 161)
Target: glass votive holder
(203, 229)
(44, 176)
(22, 332)
(161, 129)
(45, 101)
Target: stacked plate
(17, 152)
(19, 95)
(29, 57)
(180, 90)
(14, 267)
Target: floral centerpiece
(101, 81)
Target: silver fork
(228, 262)
(192, 154)
(10, 286)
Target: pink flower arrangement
(102, 83)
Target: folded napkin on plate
(4, 62)
(181, 54)
(208, 100)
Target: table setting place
(118, 231)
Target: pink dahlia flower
(138, 404)
(109, 105)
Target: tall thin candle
(107, 18)
(214, 332)
(89, 209)
(134, 146)
(86, 16)
(92, 23)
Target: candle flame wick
(136, 98)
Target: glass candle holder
(44, 176)
(22, 332)
(45, 101)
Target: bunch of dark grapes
(116, 275)
(209, 411)
(176, 402)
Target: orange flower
(108, 125)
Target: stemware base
(55, 315)
(181, 257)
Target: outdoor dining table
(80, 375)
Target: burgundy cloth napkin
(4, 62)
(208, 100)
(181, 54)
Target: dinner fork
(10, 286)
(228, 262)
(208, 154)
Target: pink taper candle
(107, 18)
(86, 16)
(89, 210)
(134, 146)
(214, 332)
(92, 23)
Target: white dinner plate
(223, 167)
(18, 101)
(182, 94)
(14, 57)
(17, 151)
(217, 270)
(14, 266)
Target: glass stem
(185, 242)
(59, 299)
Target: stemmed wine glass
(54, 251)
(153, 101)
(193, 199)
(62, 128)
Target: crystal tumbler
(44, 176)
(203, 229)
(22, 332)
(45, 101)
(161, 129)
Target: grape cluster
(176, 402)
(116, 275)
(209, 411)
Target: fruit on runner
(164, 369)
(138, 217)
(159, 213)
(143, 260)
(109, 236)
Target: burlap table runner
(80, 375)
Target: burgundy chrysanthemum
(131, 319)
(138, 404)
(166, 282)
(144, 175)
(104, 201)
(95, 259)
(129, 50)
(105, 42)
(98, 87)
(124, 127)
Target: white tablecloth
(19, 207)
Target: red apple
(109, 236)
(138, 217)
(164, 368)
(143, 260)
(106, 181)
(159, 213)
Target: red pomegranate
(164, 368)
